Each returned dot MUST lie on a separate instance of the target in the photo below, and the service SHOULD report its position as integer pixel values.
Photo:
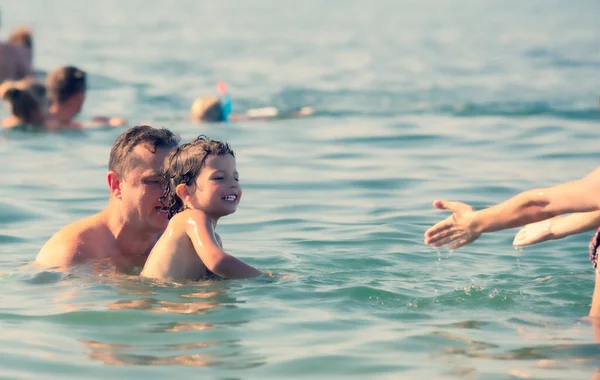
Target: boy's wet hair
(121, 159)
(183, 166)
(26, 97)
(65, 82)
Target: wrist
(475, 221)
(549, 230)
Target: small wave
(382, 103)
(521, 109)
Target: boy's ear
(114, 184)
(182, 191)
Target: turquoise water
(470, 101)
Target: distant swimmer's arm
(301, 112)
(250, 115)
(465, 225)
(200, 231)
(105, 121)
(557, 228)
(271, 113)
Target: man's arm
(465, 225)
(200, 231)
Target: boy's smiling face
(217, 190)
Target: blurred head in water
(22, 38)
(208, 109)
(66, 91)
(27, 101)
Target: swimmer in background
(14, 63)
(30, 105)
(67, 88)
(27, 101)
(202, 186)
(212, 109)
(22, 38)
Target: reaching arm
(105, 121)
(557, 228)
(465, 225)
(200, 231)
(271, 113)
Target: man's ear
(114, 184)
(182, 191)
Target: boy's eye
(218, 178)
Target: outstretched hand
(454, 231)
(109, 121)
(534, 233)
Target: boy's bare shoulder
(74, 243)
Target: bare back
(174, 256)
(13, 65)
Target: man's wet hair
(122, 160)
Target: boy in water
(201, 187)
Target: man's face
(141, 190)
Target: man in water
(127, 229)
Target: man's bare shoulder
(75, 243)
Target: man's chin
(160, 221)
